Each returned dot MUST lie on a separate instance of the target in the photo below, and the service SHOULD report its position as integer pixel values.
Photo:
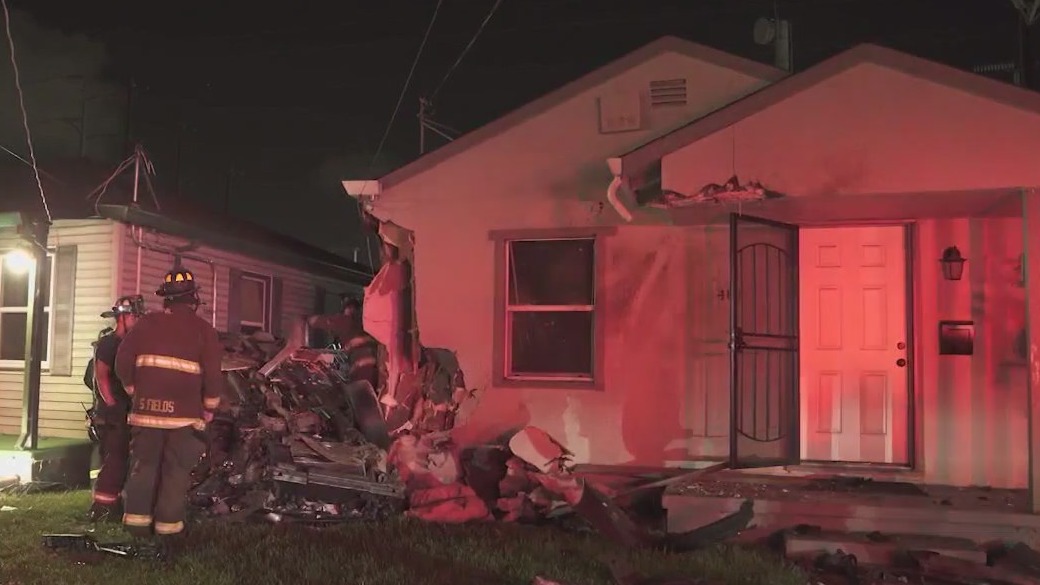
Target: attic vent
(668, 92)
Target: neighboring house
(577, 306)
(251, 279)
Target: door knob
(901, 362)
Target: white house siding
(63, 397)
(298, 286)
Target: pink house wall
(550, 172)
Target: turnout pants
(114, 448)
(161, 462)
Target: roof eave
(592, 79)
(638, 159)
(143, 218)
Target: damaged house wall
(535, 176)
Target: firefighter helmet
(177, 283)
(128, 305)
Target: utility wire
(28, 163)
(25, 114)
(393, 116)
(404, 89)
(465, 50)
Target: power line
(397, 108)
(465, 50)
(25, 114)
(404, 89)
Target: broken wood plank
(670, 481)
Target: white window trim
(511, 308)
(268, 283)
(46, 364)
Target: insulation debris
(732, 191)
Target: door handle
(901, 362)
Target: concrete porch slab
(686, 512)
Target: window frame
(501, 346)
(268, 283)
(46, 363)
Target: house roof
(599, 76)
(67, 185)
(636, 161)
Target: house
(588, 292)
(251, 279)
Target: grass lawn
(398, 552)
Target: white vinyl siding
(298, 287)
(62, 398)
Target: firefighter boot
(169, 547)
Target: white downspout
(612, 197)
(612, 190)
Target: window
(14, 313)
(550, 306)
(254, 303)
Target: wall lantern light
(18, 261)
(952, 263)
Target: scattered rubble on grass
(304, 443)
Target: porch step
(686, 512)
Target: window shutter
(276, 306)
(234, 302)
(63, 310)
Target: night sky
(261, 108)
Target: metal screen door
(763, 342)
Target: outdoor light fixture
(19, 261)
(952, 263)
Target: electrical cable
(393, 116)
(465, 50)
(25, 114)
(404, 89)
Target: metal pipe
(137, 289)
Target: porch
(939, 417)
(854, 505)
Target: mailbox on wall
(956, 337)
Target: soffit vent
(668, 92)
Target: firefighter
(111, 406)
(170, 366)
(361, 348)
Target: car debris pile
(295, 440)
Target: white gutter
(612, 190)
(365, 188)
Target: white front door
(854, 357)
